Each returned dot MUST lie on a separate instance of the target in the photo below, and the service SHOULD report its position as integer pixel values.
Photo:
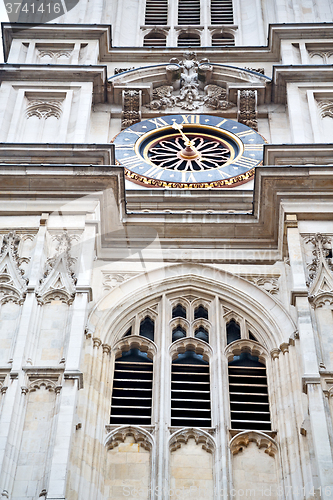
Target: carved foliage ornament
(13, 284)
(189, 86)
(247, 108)
(59, 280)
(131, 112)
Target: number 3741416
(33, 8)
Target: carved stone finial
(59, 280)
(13, 284)
(320, 277)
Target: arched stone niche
(254, 466)
(188, 448)
(129, 463)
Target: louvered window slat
(189, 40)
(156, 12)
(222, 12)
(249, 404)
(188, 12)
(154, 39)
(132, 393)
(190, 395)
(219, 40)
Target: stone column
(311, 376)
(73, 378)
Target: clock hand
(188, 142)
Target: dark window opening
(190, 391)
(147, 328)
(178, 333)
(179, 311)
(154, 39)
(221, 12)
(202, 334)
(156, 12)
(200, 312)
(233, 331)
(188, 12)
(189, 40)
(248, 391)
(223, 40)
(132, 389)
(129, 332)
(252, 337)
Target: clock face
(189, 151)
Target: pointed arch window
(179, 311)
(147, 328)
(190, 391)
(132, 389)
(201, 312)
(233, 331)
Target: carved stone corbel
(247, 108)
(131, 111)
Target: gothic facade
(166, 272)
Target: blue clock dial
(189, 151)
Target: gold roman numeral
(246, 133)
(158, 122)
(245, 162)
(191, 119)
(154, 172)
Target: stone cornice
(63, 74)
(274, 186)
(65, 32)
(298, 154)
(57, 154)
(302, 73)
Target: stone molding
(269, 283)
(246, 345)
(180, 437)
(48, 384)
(191, 344)
(59, 280)
(112, 279)
(325, 107)
(262, 440)
(140, 435)
(135, 342)
(13, 284)
(44, 108)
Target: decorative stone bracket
(131, 107)
(247, 108)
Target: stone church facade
(166, 303)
